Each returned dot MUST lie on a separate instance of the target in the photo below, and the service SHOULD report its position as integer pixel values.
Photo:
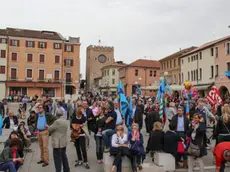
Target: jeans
(222, 167)
(60, 158)
(106, 135)
(8, 166)
(99, 147)
(136, 160)
(81, 148)
(191, 160)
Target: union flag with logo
(213, 96)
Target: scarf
(14, 154)
(137, 138)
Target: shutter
(60, 46)
(72, 48)
(53, 45)
(1, 40)
(65, 48)
(29, 73)
(65, 62)
(13, 73)
(57, 59)
(11, 42)
(42, 58)
(3, 53)
(38, 44)
(45, 44)
(56, 74)
(18, 43)
(71, 63)
(41, 74)
(26, 43)
(33, 44)
(14, 56)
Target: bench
(165, 160)
(126, 166)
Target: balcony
(41, 79)
(13, 78)
(68, 80)
(57, 80)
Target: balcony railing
(13, 78)
(68, 80)
(57, 80)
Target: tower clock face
(102, 59)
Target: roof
(208, 44)
(143, 63)
(115, 64)
(178, 53)
(2, 31)
(33, 34)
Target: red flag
(213, 96)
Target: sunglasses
(120, 129)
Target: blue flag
(1, 123)
(138, 89)
(161, 89)
(130, 115)
(122, 99)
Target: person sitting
(171, 139)
(222, 155)
(31, 122)
(10, 122)
(119, 149)
(136, 141)
(24, 135)
(156, 139)
(9, 158)
(14, 135)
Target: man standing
(138, 114)
(70, 109)
(60, 106)
(42, 121)
(181, 123)
(58, 131)
(117, 110)
(222, 154)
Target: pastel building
(42, 62)
(3, 62)
(140, 73)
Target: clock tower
(96, 58)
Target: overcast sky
(136, 28)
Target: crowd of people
(177, 133)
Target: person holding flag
(122, 99)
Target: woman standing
(100, 122)
(223, 128)
(196, 148)
(136, 141)
(78, 122)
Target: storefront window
(49, 91)
(18, 90)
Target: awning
(156, 87)
(202, 87)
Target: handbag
(180, 147)
(193, 150)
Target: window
(155, 73)
(57, 45)
(3, 41)
(217, 70)
(113, 72)
(2, 69)
(174, 62)
(212, 72)
(3, 53)
(167, 64)
(182, 61)
(200, 73)
(13, 73)
(49, 91)
(68, 48)
(170, 64)
(136, 72)
(192, 76)
(105, 72)
(29, 57)
(113, 81)
(29, 73)
(182, 76)
(188, 75)
(212, 51)
(189, 59)
(164, 65)
(228, 48)
(68, 62)
(14, 56)
(216, 52)
(14, 43)
(41, 74)
(196, 74)
(108, 72)
(228, 66)
(192, 58)
(56, 74)
(151, 73)
(42, 44)
(179, 61)
(57, 59)
(30, 44)
(200, 55)
(42, 58)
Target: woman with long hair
(78, 136)
(223, 127)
